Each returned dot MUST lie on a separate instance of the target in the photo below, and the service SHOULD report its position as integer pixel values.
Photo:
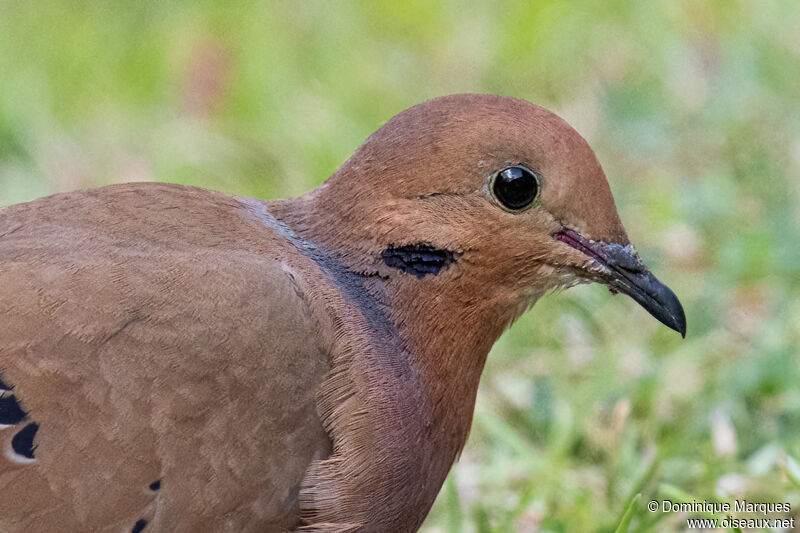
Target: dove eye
(515, 188)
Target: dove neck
(444, 323)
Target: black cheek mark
(139, 526)
(22, 443)
(418, 259)
(10, 411)
(155, 485)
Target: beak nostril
(623, 257)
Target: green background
(692, 107)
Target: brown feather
(170, 345)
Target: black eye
(515, 187)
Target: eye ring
(515, 188)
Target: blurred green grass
(692, 107)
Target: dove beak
(620, 268)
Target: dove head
(495, 195)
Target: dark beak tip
(671, 311)
(658, 300)
(680, 323)
(681, 326)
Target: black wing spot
(10, 411)
(22, 442)
(155, 485)
(139, 526)
(418, 259)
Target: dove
(174, 359)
